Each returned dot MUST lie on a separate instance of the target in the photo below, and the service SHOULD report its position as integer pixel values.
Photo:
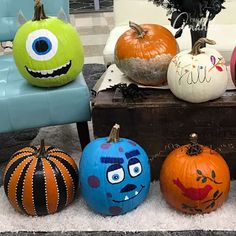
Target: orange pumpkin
(194, 178)
(144, 52)
(40, 180)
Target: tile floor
(94, 29)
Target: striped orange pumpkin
(40, 180)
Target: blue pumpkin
(114, 174)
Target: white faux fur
(153, 215)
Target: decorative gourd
(194, 178)
(114, 174)
(47, 50)
(40, 180)
(199, 75)
(233, 66)
(144, 52)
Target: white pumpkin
(198, 76)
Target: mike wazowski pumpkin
(114, 174)
(47, 50)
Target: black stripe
(20, 184)
(34, 148)
(39, 192)
(61, 186)
(18, 153)
(11, 170)
(71, 170)
(51, 148)
(60, 151)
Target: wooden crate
(160, 122)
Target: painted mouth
(53, 73)
(126, 198)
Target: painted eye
(135, 167)
(115, 174)
(42, 45)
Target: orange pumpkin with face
(195, 179)
(144, 52)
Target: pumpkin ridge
(27, 193)
(72, 172)
(67, 180)
(51, 187)
(39, 194)
(19, 188)
(65, 157)
(13, 160)
(11, 186)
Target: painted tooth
(126, 198)
(43, 72)
(136, 192)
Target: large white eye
(42, 45)
(135, 167)
(115, 174)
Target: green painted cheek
(48, 53)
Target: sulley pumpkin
(198, 76)
(47, 50)
(144, 52)
(114, 174)
(194, 178)
(40, 180)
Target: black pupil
(41, 46)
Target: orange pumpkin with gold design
(40, 180)
(144, 52)
(194, 178)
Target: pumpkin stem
(139, 30)
(196, 50)
(42, 151)
(114, 134)
(194, 148)
(39, 13)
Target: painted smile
(126, 198)
(53, 73)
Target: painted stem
(196, 50)
(139, 30)
(114, 134)
(39, 13)
(194, 148)
(42, 151)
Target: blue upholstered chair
(23, 106)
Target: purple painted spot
(121, 149)
(105, 146)
(115, 210)
(93, 181)
(109, 195)
(132, 143)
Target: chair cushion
(224, 36)
(25, 106)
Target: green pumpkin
(48, 51)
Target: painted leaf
(204, 180)
(213, 60)
(199, 172)
(213, 174)
(216, 194)
(198, 178)
(212, 204)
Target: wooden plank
(161, 121)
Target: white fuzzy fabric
(153, 215)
